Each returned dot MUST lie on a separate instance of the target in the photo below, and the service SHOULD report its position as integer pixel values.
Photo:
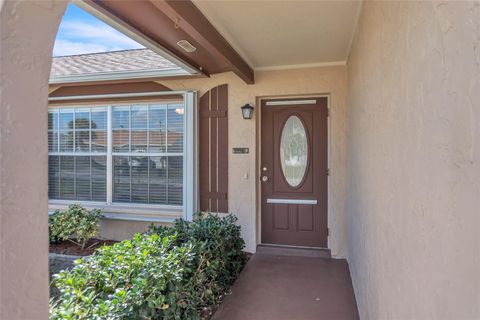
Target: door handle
(264, 178)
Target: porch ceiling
(234, 35)
(164, 25)
(272, 34)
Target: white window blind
(77, 139)
(148, 153)
(145, 145)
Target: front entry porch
(281, 287)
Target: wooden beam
(185, 15)
(165, 22)
(124, 24)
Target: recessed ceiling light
(187, 46)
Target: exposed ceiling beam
(185, 15)
(95, 8)
(165, 22)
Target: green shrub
(218, 252)
(74, 223)
(170, 273)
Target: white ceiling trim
(303, 65)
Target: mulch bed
(70, 248)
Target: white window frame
(145, 212)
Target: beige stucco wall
(27, 31)
(243, 180)
(413, 160)
(244, 133)
(412, 170)
(121, 230)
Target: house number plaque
(240, 150)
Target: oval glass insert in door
(294, 151)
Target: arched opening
(28, 30)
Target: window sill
(133, 217)
(136, 217)
(128, 212)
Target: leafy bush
(75, 222)
(218, 252)
(170, 273)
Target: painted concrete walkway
(275, 287)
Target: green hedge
(169, 273)
(76, 223)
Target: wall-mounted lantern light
(247, 111)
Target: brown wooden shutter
(213, 145)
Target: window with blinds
(148, 154)
(139, 147)
(77, 144)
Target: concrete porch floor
(274, 287)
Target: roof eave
(112, 76)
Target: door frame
(258, 160)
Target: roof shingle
(110, 62)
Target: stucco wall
(120, 229)
(413, 160)
(243, 133)
(27, 31)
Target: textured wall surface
(243, 133)
(121, 229)
(27, 31)
(411, 156)
(413, 160)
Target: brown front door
(294, 172)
